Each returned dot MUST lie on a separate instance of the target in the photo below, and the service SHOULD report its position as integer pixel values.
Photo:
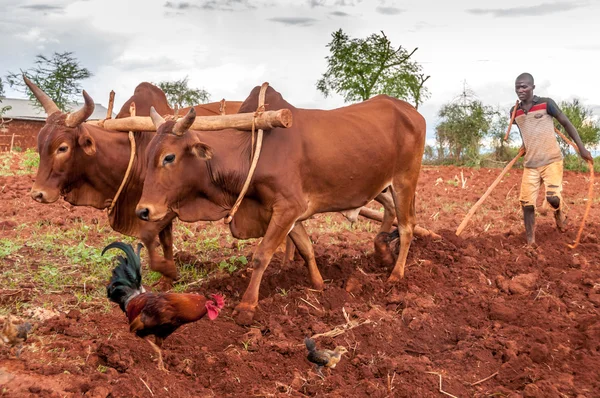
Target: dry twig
(151, 393)
(341, 329)
(484, 380)
(440, 389)
(311, 304)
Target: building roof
(24, 109)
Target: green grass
(30, 161)
(5, 162)
(8, 247)
(231, 265)
(576, 163)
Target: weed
(231, 265)
(8, 247)
(102, 368)
(246, 344)
(30, 161)
(448, 207)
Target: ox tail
(126, 280)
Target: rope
(590, 190)
(254, 155)
(127, 172)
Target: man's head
(524, 86)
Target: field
(482, 314)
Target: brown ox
(86, 165)
(146, 95)
(327, 161)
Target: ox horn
(184, 124)
(79, 116)
(49, 105)
(156, 118)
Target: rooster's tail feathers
(126, 280)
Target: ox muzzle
(41, 196)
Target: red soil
(470, 307)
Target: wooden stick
(484, 380)
(377, 216)
(241, 121)
(590, 190)
(111, 103)
(512, 120)
(463, 224)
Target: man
(543, 158)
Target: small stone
(353, 285)
(522, 284)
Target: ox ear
(88, 144)
(201, 150)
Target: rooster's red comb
(219, 300)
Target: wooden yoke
(242, 121)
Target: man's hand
(586, 155)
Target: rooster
(322, 358)
(151, 314)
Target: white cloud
(231, 46)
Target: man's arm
(555, 111)
(572, 131)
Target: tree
(583, 121)
(465, 122)
(497, 131)
(3, 109)
(361, 68)
(58, 76)
(180, 95)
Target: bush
(576, 163)
(30, 160)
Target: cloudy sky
(229, 46)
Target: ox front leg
(403, 193)
(302, 242)
(163, 265)
(168, 268)
(278, 228)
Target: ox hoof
(243, 315)
(383, 253)
(395, 278)
(164, 284)
(167, 269)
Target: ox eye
(62, 149)
(168, 159)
